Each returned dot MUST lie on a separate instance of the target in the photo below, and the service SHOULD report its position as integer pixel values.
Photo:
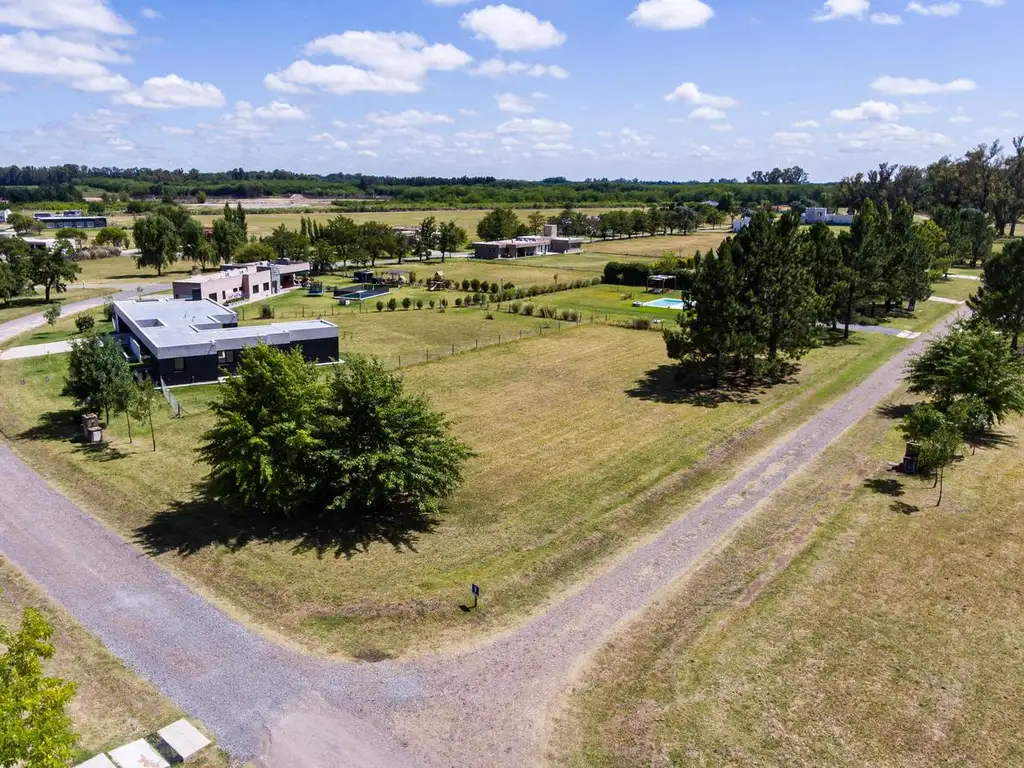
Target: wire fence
(176, 410)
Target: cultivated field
(850, 623)
(112, 706)
(652, 248)
(583, 445)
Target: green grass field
(27, 305)
(652, 248)
(122, 269)
(572, 432)
(850, 623)
(63, 330)
(112, 706)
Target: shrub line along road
(264, 702)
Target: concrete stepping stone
(100, 761)
(184, 738)
(138, 754)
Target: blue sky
(654, 89)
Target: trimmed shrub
(419, 303)
(458, 302)
(432, 303)
(406, 303)
(444, 303)
(474, 284)
(495, 287)
(266, 312)
(380, 306)
(108, 309)
(85, 323)
(465, 284)
(514, 307)
(565, 315)
(528, 310)
(546, 312)
(641, 323)
(392, 304)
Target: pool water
(667, 304)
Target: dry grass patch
(654, 247)
(112, 705)
(571, 431)
(850, 623)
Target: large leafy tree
(386, 459)
(22, 223)
(116, 236)
(259, 447)
(98, 377)
(939, 437)
(1000, 300)
(288, 244)
(194, 245)
(53, 267)
(228, 237)
(15, 269)
(450, 236)
(378, 238)
(972, 360)
(426, 238)
(35, 729)
(305, 455)
(158, 242)
(500, 224)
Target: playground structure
(396, 278)
(437, 282)
(658, 284)
(315, 289)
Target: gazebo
(661, 283)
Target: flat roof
(523, 241)
(186, 328)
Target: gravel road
(485, 707)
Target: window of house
(223, 295)
(179, 364)
(226, 356)
(256, 288)
(266, 286)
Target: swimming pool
(667, 304)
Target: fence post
(453, 350)
(499, 339)
(399, 361)
(478, 343)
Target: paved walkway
(964, 277)
(944, 300)
(885, 330)
(13, 328)
(36, 350)
(486, 707)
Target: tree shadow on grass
(885, 485)
(64, 427)
(894, 411)
(903, 508)
(688, 383)
(189, 527)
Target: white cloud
(172, 92)
(807, 124)
(1009, 113)
(795, 138)
(672, 14)
(689, 92)
(886, 19)
(408, 119)
(150, 13)
(327, 140)
(275, 110)
(509, 102)
(173, 130)
(474, 135)
(908, 86)
(501, 68)
(881, 111)
(121, 144)
(367, 153)
(83, 65)
(917, 108)
(891, 136)
(707, 113)
(388, 62)
(86, 15)
(934, 9)
(961, 117)
(537, 128)
(512, 29)
(631, 137)
(465, 112)
(721, 127)
(838, 9)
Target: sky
(528, 89)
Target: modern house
(33, 243)
(186, 342)
(817, 215)
(517, 248)
(72, 219)
(5, 214)
(562, 243)
(242, 281)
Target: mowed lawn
(112, 706)
(122, 269)
(852, 622)
(572, 432)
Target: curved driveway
(485, 707)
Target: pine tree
(1000, 300)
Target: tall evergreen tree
(1000, 300)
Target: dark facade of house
(205, 368)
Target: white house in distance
(810, 216)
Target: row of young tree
(765, 294)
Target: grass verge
(850, 622)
